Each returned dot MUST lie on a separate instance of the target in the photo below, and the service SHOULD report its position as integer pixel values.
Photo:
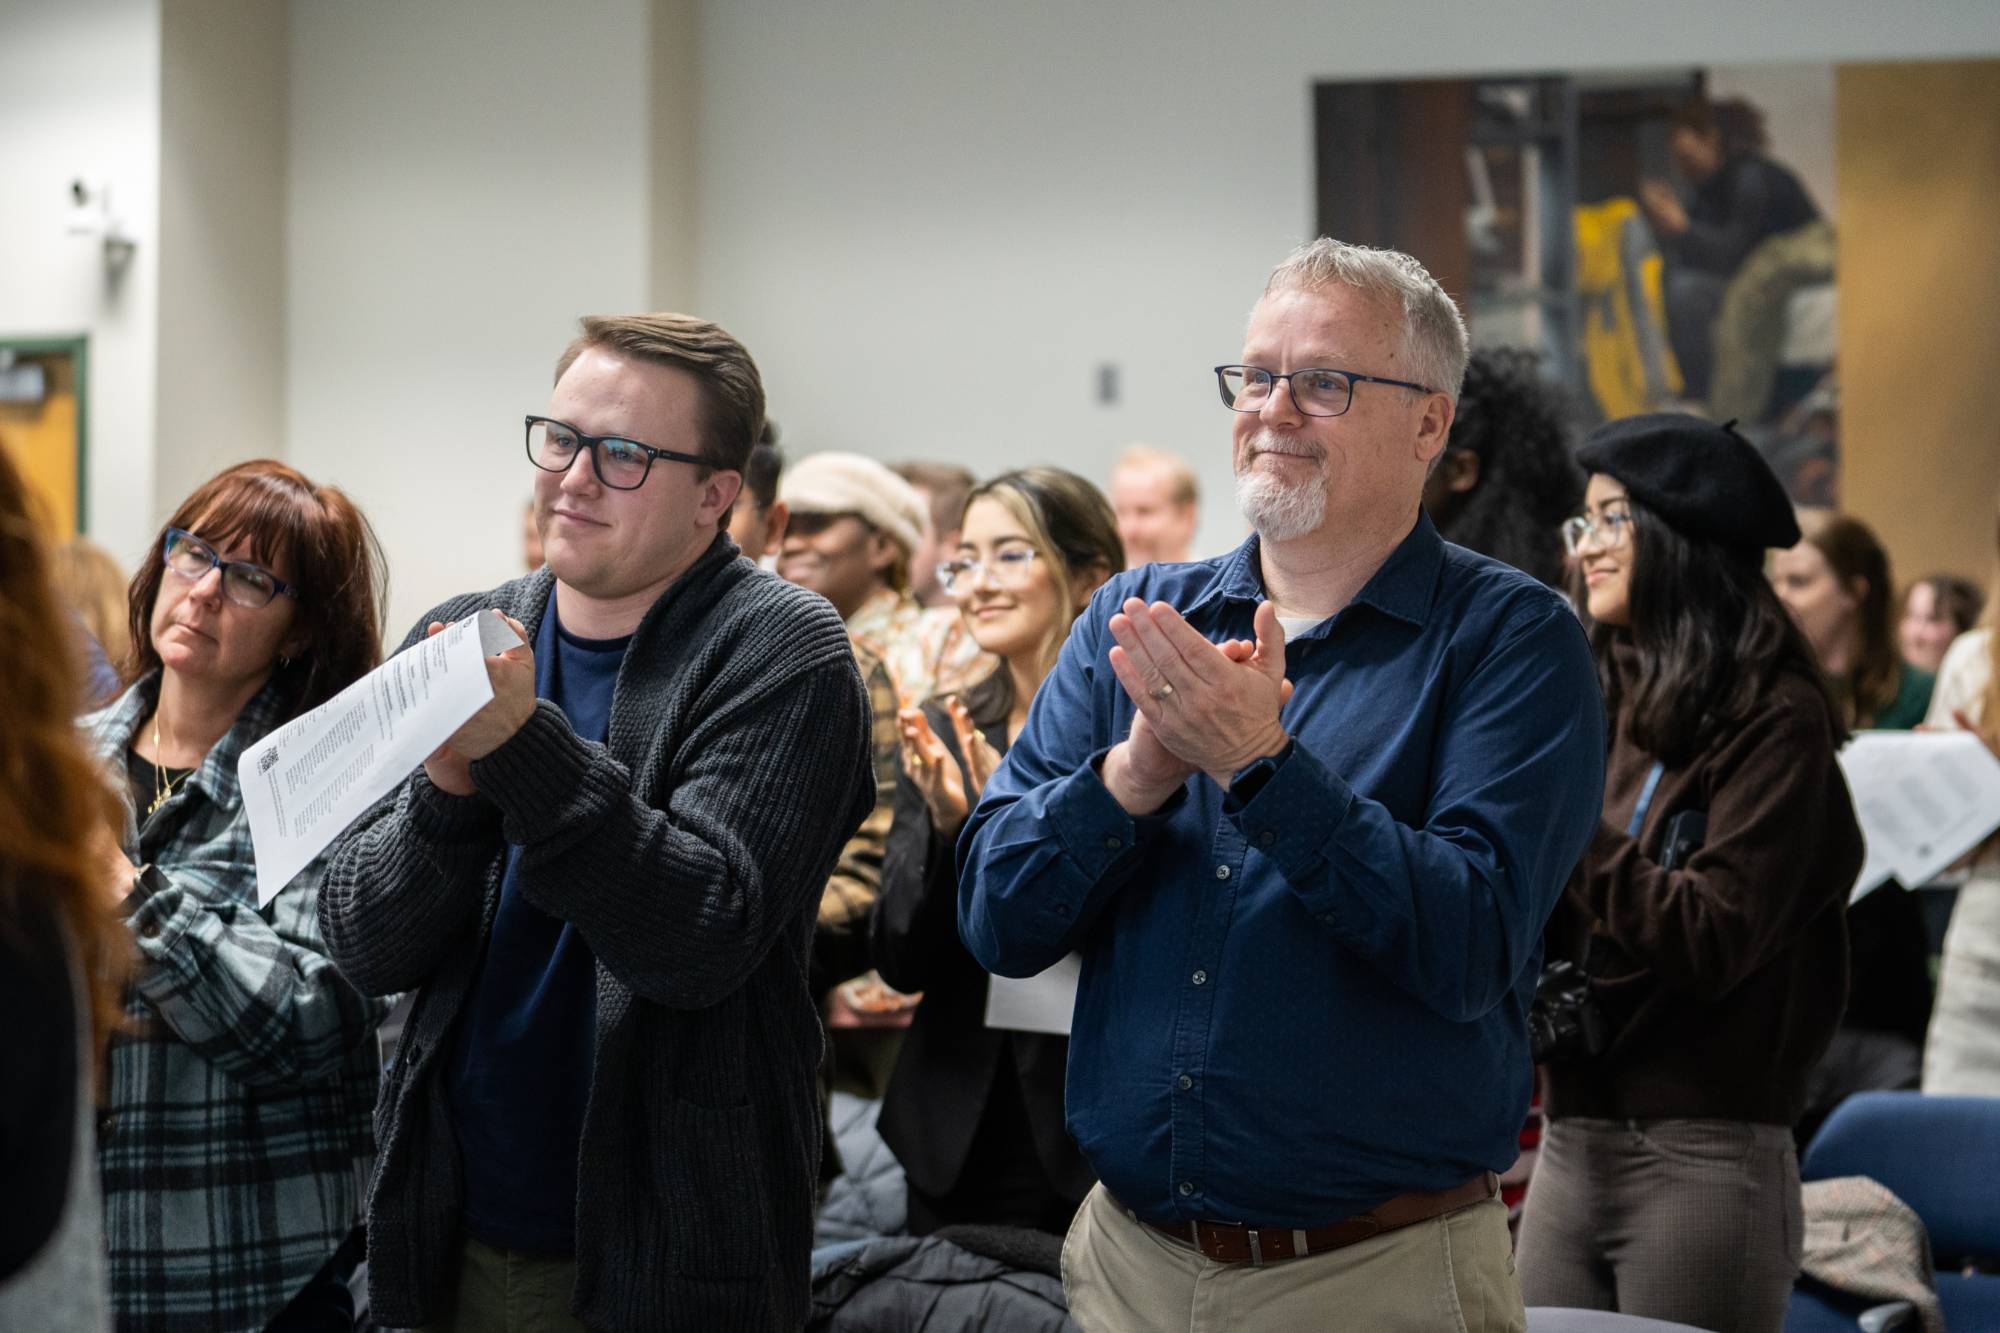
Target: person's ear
(1085, 582)
(1857, 588)
(1433, 427)
(718, 496)
(1459, 472)
(882, 551)
(777, 517)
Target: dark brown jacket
(1724, 978)
(949, 1074)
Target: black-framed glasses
(1317, 391)
(621, 464)
(242, 582)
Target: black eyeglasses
(621, 464)
(242, 582)
(1318, 391)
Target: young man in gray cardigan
(602, 890)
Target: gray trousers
(1694, 1221)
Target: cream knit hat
(837, 483)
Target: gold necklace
(163, 786)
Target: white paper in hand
(1924, 799)
(307, 781)
(1041, 1003)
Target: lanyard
(1645, 800)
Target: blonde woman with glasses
(975, 1114)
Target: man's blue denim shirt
(1297, 1006)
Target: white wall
(221, 253)
(466, 179)
(931, 222)
(80, 95)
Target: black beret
(1704, 479)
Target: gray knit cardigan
(690, 850)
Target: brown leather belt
(1235, 1243)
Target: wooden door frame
(77, 348)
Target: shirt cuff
(1295, 807)
(159, 914)
(1095, 830)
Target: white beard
(1278, 511)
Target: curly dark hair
(1518, 426)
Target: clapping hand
(934, 771)
(981, 759)
(1213, 707)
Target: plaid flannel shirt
(237, 1134)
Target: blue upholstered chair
(1939, 1155)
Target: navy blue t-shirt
(520, 1067)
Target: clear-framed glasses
(242, 582)
(1611, 530)
(621, 464)
(1008, 568)
(1319, 391)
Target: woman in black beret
(1708, 912)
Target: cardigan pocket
(716, 1200)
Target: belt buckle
(1256, 1247)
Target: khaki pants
(1453, 1273)
(505, 1291)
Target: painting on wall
(1662, 239)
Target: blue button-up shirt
(1296, 1006)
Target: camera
(1565, 1023)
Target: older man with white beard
(1303, 810)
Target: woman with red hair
(61, 951)
(237, 1124)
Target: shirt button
(1184, 1082)
(1200, 978)
(1266, 838)
(1186, 1188)
(1113, 844)
(1222, 872)
(105, 1124)
(151, 930)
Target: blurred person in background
(1936, 609)
(63, 952)
(92, 584)
(1709, 910)
(531, 539)
(1158, 503)
(1837, 584)
(260, 600)
(943, 487)
(854, 529)
(973, 1113)
(1739, 198)
(757, 523)
(1962, 1052)
(1502, 487)
(1506, 480)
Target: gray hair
(1434, 341)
